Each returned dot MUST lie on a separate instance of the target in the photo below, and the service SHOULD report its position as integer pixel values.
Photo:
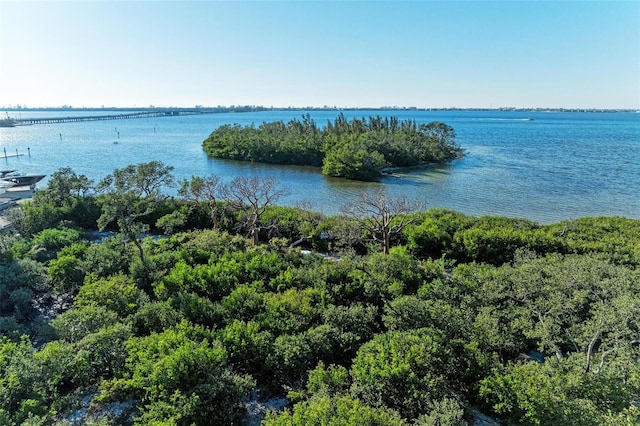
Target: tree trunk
(587, 364)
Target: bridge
(123, 116)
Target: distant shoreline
(255, 108)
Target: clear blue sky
(574, 54)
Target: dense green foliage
(532, 324)
(357, 149)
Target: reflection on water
(423, 175)
(554, 167)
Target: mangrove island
(359, 149)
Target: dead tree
(252, 196)
(382, 216)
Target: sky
(425, 54)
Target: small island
(358, 149)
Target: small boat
(4, 185)
(18, 179)
(7, 122)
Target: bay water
(542, 166)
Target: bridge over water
(122, 116)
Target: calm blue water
(557, 166)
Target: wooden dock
(5, 155)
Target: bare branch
(382, 216)
(205, 189)
(253, 196)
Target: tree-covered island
(359, 149)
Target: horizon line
(311, 107)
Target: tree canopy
(450, 316)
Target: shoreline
(260, 108)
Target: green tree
(340, 410)
(248, 348)
(67, 197)
(401, 371)
(536, 394)
(182, 377)
(353, 161)
(24, 285)
(117, 293)
(154, 317)
(111, 256)
(65, 187)
(433, 234)
(331, 380)
(290, 311)
(438, 142)
(67, 270)
(72, 325)
(130, 194)
(104, 351)
(351, 327)
(200, 189)
(445, 412)
(297, 224)
(573, 304)
(22, 391)
(44, 245)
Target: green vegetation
(358, 149)
(395, 318)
